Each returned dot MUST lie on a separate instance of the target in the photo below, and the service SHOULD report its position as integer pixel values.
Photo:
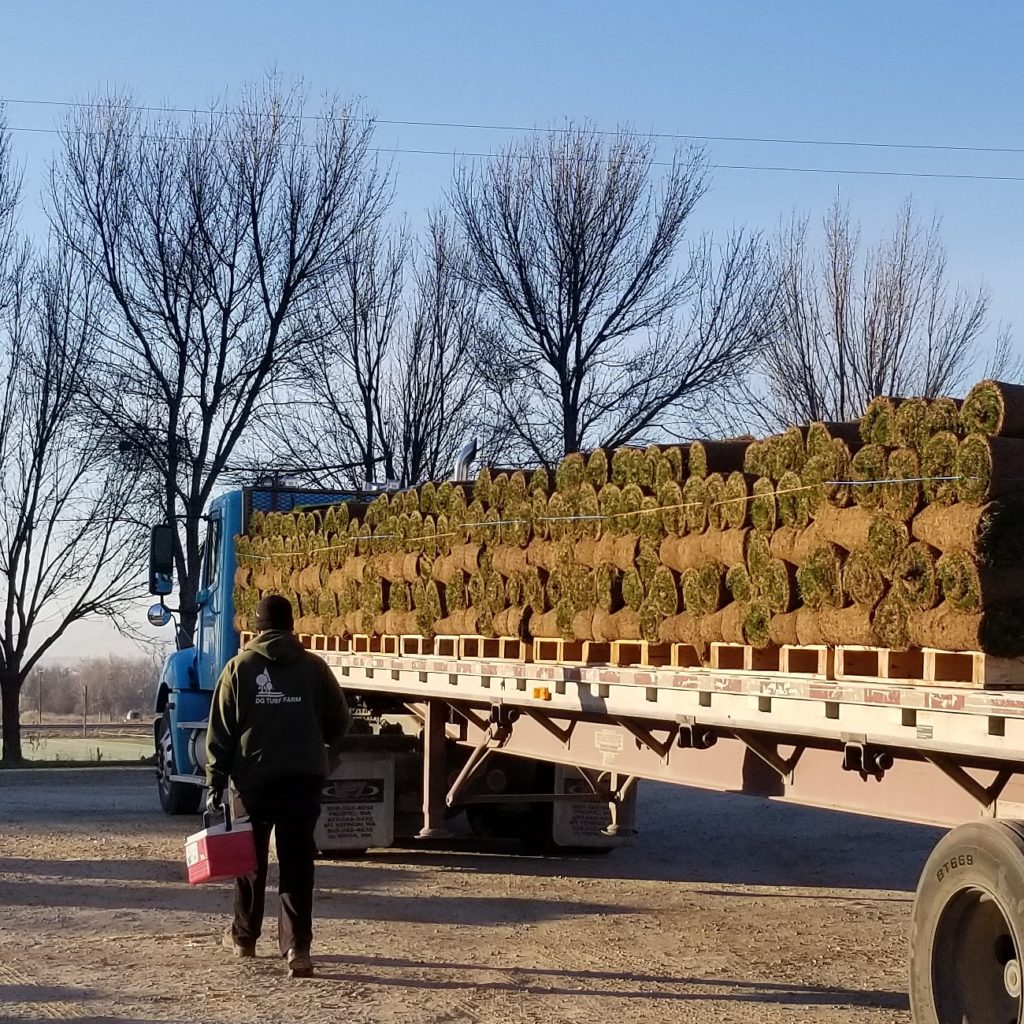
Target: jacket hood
(276, 645)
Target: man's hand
(214, 800)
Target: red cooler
(222, 851)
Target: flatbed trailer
(944, 755)
(492, 727)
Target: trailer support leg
(622, 807)
(434, 770)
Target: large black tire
(968, 926)
(175, 797)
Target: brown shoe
(299, 964)
(228, 941)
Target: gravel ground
(726, 909)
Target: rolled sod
(998, 630)
(663, 592)
(650, 527)
(513, 621)
(650, 621)
(695, 499)
(724, 625)
(787, 453)
(647, 562)
(682, 553)
(818, 478)
(992, 407)
(673, 515)
(908, 429)
(863, 580)
(792, 498)
(739, 584)
(675, 458)
(820, 578)
(756, 461)
(992, 532)
(868, 465)
(943, 415)
(820, 436)
(598, 468)
(915, 574)
(757, 621)
(609, 501)
(633, 590)
(887, 540)
(778, 587)
(764, 512)
(938, 467)
(970, 587)
(847, 527)
(726, 546)
(878, 424)
(902, 497)
(624, 465)
(571, 472)
(988, 467)
(758, 554)
(852, 625)
(715, 489)
(545, 625)
(631, 501)
(540, 482)
(736, 510)
(890, 620)
(799, 628)
(681, 629)
(793, 545)
(620, 625)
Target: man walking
(276, 709)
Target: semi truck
(546, 741)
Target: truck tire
(175, 797)
(967, 928)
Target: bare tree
(856, 323)
(352, 333)
(386, 387)
(598, 332)
(213, 239)
(66, 552)
(434, 394)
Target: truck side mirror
(161, 559)
(158, 615)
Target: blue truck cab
(188, 677)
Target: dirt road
(726, 910)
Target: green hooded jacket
(276, 709)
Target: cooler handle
(226, 809)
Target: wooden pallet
(500, 648)
(928, 666)
(414, 645)
(799, 661)
(555, 651)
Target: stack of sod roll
(901, 530)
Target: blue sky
(939, 73)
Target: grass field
(87, 748)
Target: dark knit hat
(274, 612)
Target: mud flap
(358, 807)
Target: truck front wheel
(968, 926)
(175, 797)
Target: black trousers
(289, 806)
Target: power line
(464, 154)
(483, 126)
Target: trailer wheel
(968, 926)
(175, 797)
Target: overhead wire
(483, 126)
